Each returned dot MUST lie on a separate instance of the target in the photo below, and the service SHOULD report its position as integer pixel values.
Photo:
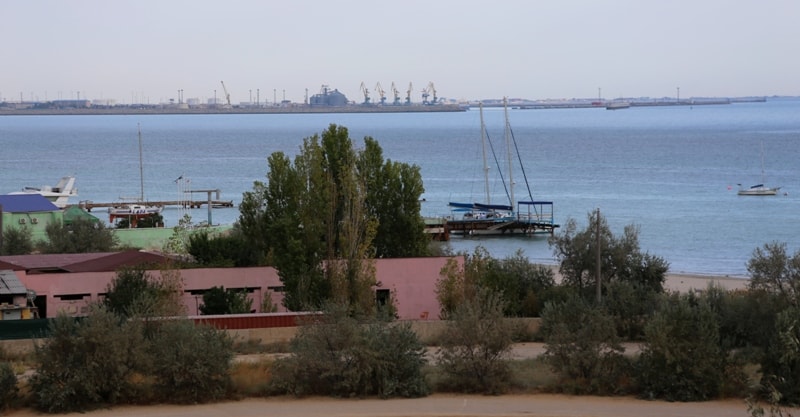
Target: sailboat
(485, 210)
(759, 189)
(491, 218)
(137, 210)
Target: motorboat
(58, 194)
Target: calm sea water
(670, 170)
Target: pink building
(70, 283)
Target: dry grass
(531, 375)
(250, 379)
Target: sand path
(536, 405)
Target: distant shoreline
(166, 110)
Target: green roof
(73, 213)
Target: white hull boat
(58, 194)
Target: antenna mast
(141, 169)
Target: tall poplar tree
(321, 219)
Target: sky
(145, 51)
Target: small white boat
(58, 194)
(132, 213)
(138, 210)
(759, 189)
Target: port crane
(227, 96)
(381, 93)
(366, 92)
(408, 93)
(396, 94)
(427, 91)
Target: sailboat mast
(141, 169)
(762, 162)
(508, 153)
(485, 164)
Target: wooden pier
(531, 217)
(499, 227)
(89, 205)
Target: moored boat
(501, 219)
(759, 189)
(58, 194)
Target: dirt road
(537, 405)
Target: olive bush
(86, 363)
(191, 362)
(682, 359)
(339, 355)
(582, 346)
(8, 386)
(475, 344)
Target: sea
(671, 171)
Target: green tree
(230, 249)
(322, 208)
(16, 241)
(218, 300)
(178, 242)
(773, 270)
(523, 285)
(81, 236)
(393, 193)
(621, 258)
(459, 283)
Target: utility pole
(599, 284)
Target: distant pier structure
(190, 203)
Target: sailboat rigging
(759, 189)
(138, 210)
(488, 218)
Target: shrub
(781, 363)
(81, 236)
(218, 300)
(134, 292)
(16, 241)
(474, 345)
(682, 359)
(86, 362)
(582, 346)
(342, 356)
(191, 362)
(8, 385)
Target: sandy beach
(688, 282)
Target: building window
(72, 297)
(383, 297)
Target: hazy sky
(147, 50)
